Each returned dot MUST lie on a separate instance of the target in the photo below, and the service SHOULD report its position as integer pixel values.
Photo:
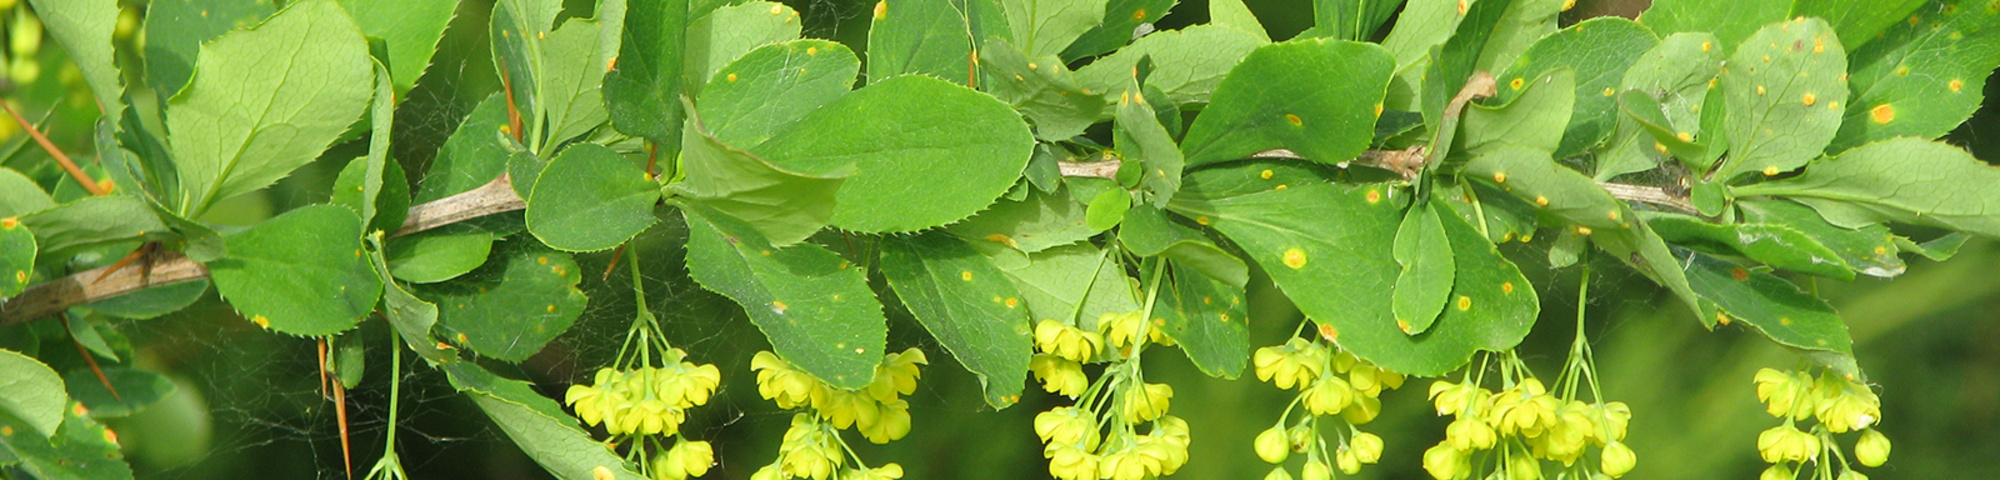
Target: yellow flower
(1872, 449)
(1469, 434)
(1784, 393)
(1362, 411)
(1059, 375)
(1315, 470)
(1345, 461)
(1148, 402)
(1121, 330)
(1328, 395)
(1366, 447)
(1067, 425)
(1786, 444)
(897, 375)
(1446, 463)
(779, 382)
(1297, 362)
(891, 422)
(685, 459)
(1614, 416)
(1069, 462)
(1127, 465)
(1852, 409)
(1271, 445)
(1278, 473)
(1617, 459)
(1524, 409)
(1777, 472)
(1067, 341)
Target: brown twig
(1100, 169)
(169, 268)
(61, 159)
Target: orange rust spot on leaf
(1739, 274)
(1882, 114)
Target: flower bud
(1523, 467)
(1872, 449)
(1446, 463)
(1366, 447)
(1776, 472)
(1278, 473)
(1850, 474)
(1271, 445)
(1316, 470)
(1345, 461)
(1148, 402)
(1617, 459)
(1362, 411)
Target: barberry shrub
(1052, 189)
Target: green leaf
(87, 333)
(967, 304)
(32, 393)
(1107, 209)
(1870, 249)
(1730, 21)
(1328, 245)
(472, 156)
(929, 37)
(1908, 180)
(1042, 88)
(642, 92)
(82, 450)
(815, 307)
(572, 77)
(1777, 245)
(1208, 320)
(137, 389)
(1534, 119)
(92, 221)
(412, 318)
(729, 32)
(518, 27)
(305, 73)
(1422, 26)
(1519, 27)
(84, 29)
(1350, 19)
(152, 302)
(347, 359)
(1188, 64)
(1675, 75)
(1423, 285)
(1599, 51)
(301, 273)
(176, 30)
(1046, 27)
(21, 196)
(1531, 175)
(773, 86)
(1770, 304)
(435, 256)
(411, 30)
(785, 206)
(1146, 232)
(901, 134)
(1072, 284)
(1784, 89)
(1234, 14)
(1921, 79)
(1476, 45)
(1139, 136)
(539, 426)
(511, 307)
(1035, 223)
(1280, 98)
(375, 186)
(1858, 21)
(591, 198)
(17, 257)
(1121, 23)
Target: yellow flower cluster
(1331, 384)
(1073, 447)
(877, 410)
(1838, 404)
(644, 400)
(685, 459)
(1552, 429)
(1064, 349)
(812, 449)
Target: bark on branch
(169, 268)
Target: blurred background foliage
(249, 404)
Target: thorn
(61, 159)
(513, 113)
(340, 413)
(144, 251)
(321, 366)
(92, 360)
(652, 158)
(614, 261)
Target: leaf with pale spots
(1350, 19)
(17, 257)
(1425, 280)
(1908, 180)
(1032, 224)
(1072, 284)
(1533, 119)
(1046, 27)
(1139, 136)
(967, 304)
(572, 79)
(773, 86)
(1188, 63)
(1235, 14)
(785, 206)
(815, 307)
(1566, 194)
(1785, 87)
(1772, 305)
(1599, 51)
(1675, 77)
(1488, 35)
(1328, 246)
(1042, 88)
(1777, 245)
(438, 255)
(136, 390)
(539, 426)
(1121, 24)
(642, 92)
(93, 221)
(1731, 21)
(1857, 21)
(1870, 249)
(301, 273)
(1147, 232)
(512, 306)
(1924, 78)
(81, 449)
(928, 152)
(1279, 97)
(175, 30)
(929, 37)
(1207, 319)
(34, 394)
(590, 198)
(721, 36)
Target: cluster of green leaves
(1001, 163)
